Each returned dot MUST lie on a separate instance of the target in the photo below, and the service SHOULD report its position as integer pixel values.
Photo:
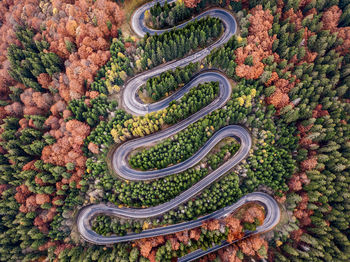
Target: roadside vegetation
(167, 82)
(183, 180)
(167, 15)
(129, 57)
(230, 228)
(172, 14)
(172, 150)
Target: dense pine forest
(64, 66)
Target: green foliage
(152, 51)
(345, 17)
(116, 70)
(320, 81)
(236, 6)
(224, 57)
(179, 42)
(31, 59)
(196, 99)
(93, 111)
(173, 150)
(162, 190)
(249, 60)
(101, 135)
(168, 15)
(215, 159)
(70, 166)
(157, 87)
(17, 229)
(319, 106)
(70, 46)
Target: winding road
(122, 168)
(120, 157)
(129, 94)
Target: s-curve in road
(119, 159)
(130, 90)
(122, 168)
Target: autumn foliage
(13, 13)
(79, 33)
(298, 180)
(70, 137)
(279, 99)
(191, 3)
(259, 44)
(330, 20)
(250, 246)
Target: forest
(167, 15)
(165, 154)
(64, 62)
(163, 85)
(128, 57)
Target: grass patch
(130, 6)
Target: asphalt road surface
(122, 168)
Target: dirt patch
(143, 96)
(241, 211)
(129, 7)
(221, 144)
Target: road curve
(120, 163)
(121, 167)
(272, 218)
